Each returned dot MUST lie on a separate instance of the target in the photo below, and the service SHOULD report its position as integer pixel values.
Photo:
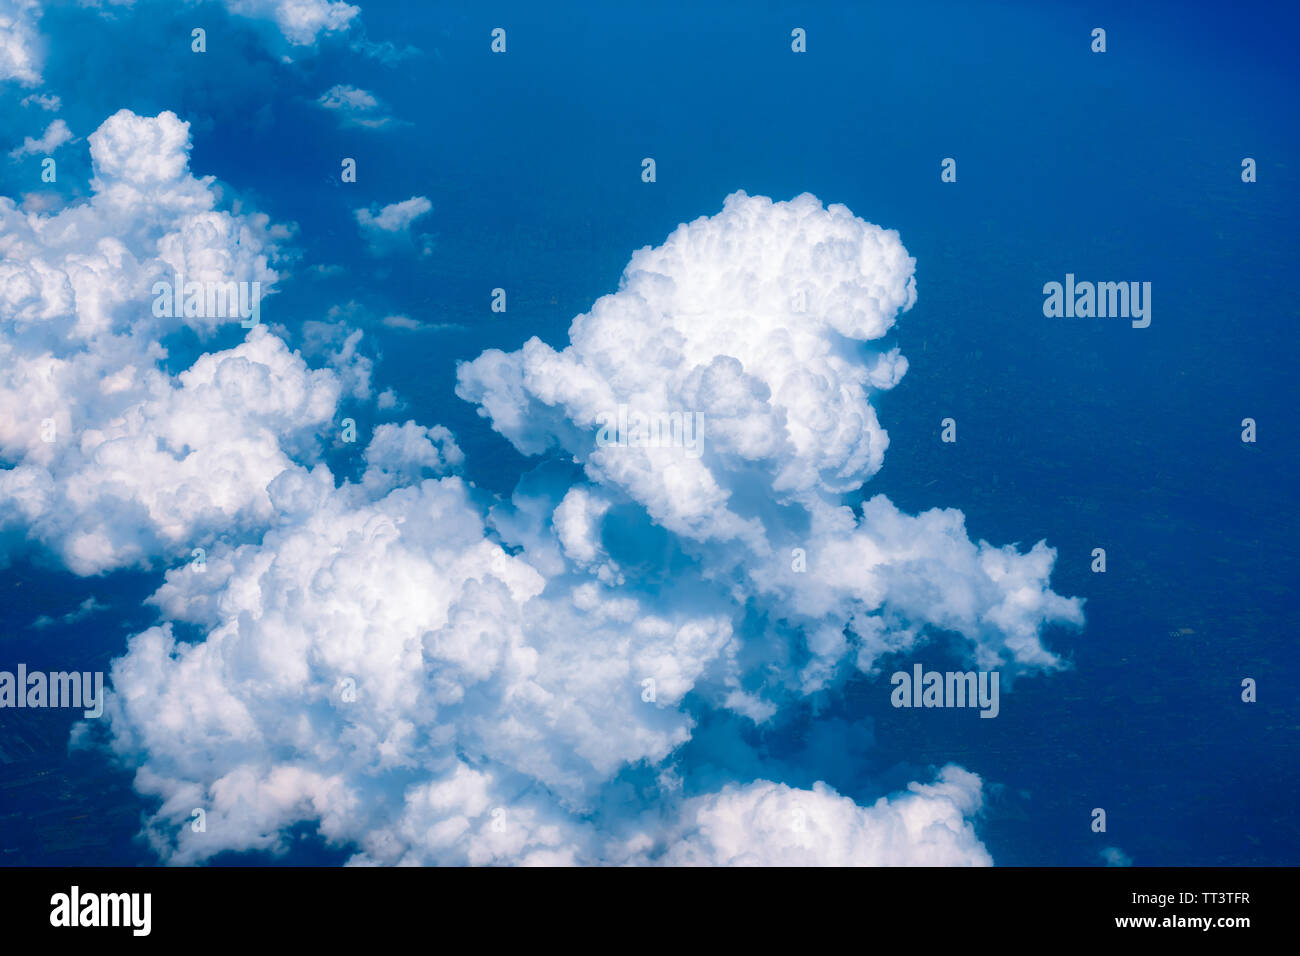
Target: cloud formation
(382, 667)
(432, 676)
(770, 824)
(389, 228)
(55, 135)
(755, 318)
(111, 460)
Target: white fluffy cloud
(436, 678)
(379, 666)
(177, 467)
(114, 460)
(770, 824)
(756, 319)
(452, 651)
(749, 317)
(403, 454)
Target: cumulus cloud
(433, 676)
(389, 228)
(378, 665)
(177, 467)
(758, 319)
(402, 454)
(438, 632)
(770, 824)
(113, 460)
(55, 135)
(748, 317)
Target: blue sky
(431, 644)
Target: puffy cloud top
(113, 460)
(141, 150)
(746, 317)
(375, 645)
(436, 678)
(753, 318)
(770, 824)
